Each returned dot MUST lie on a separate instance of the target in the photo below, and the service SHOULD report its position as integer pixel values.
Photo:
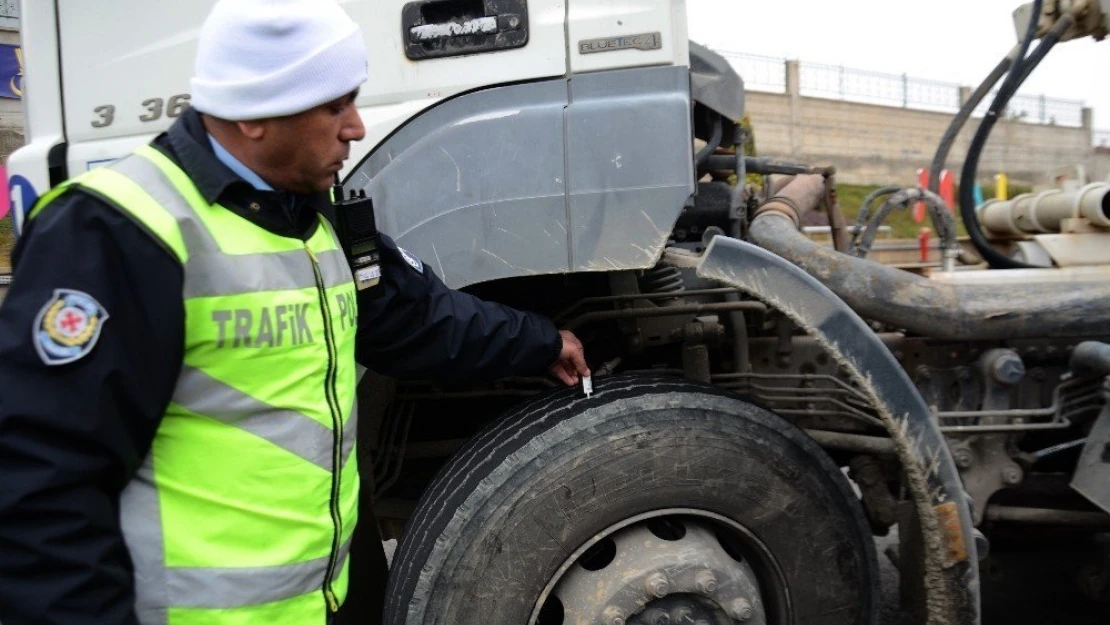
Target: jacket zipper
(331, 393)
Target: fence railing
(841, 83)
(760, 73)
(769, 74)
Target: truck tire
(655, 501)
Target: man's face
(303, 152)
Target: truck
(764, 405)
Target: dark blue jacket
(72, 435)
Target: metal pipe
(761, 165)
(1047, 516)
(608, 299)
(1061, 424)
(922, 306)
(1033, 213)
(838, 226)
(854, 442)
(663, 311)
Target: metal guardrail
(842, 83)
(1038, 110)
(760, 73)
(764, 73)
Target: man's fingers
(565, 376)
(562, 370)
(578, 362)
(574, 354)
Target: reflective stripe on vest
(243, 510)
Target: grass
(7, 238)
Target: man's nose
(353, 128)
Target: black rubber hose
(949, 138)
(902, 199)
(971, 165)
(1015, 60)
(864, 209)
(713, 143)
(961, 118)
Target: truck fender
(950, 566)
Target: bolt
(706, 582)
(613, 615)
(963, 457)
(514, 22)
(657, 584)
(1011, 476)
(741, 609)
(1008, 369)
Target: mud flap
(951, 574)
(1092, 476)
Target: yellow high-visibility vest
(243, 510)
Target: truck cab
(513, 111)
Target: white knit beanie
(270, 58)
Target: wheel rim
(677, 566)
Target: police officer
(178, 350)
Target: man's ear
(255, 130)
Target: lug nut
(613, 615)
(963, 457)
(657, 585)
(706, 582)
(741, 609)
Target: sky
(948, 40)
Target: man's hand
(571, 362)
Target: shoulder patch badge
(68, 326)
(413, 261)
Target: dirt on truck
(763, 406)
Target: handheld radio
(358, 235)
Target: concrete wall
(872, 144)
